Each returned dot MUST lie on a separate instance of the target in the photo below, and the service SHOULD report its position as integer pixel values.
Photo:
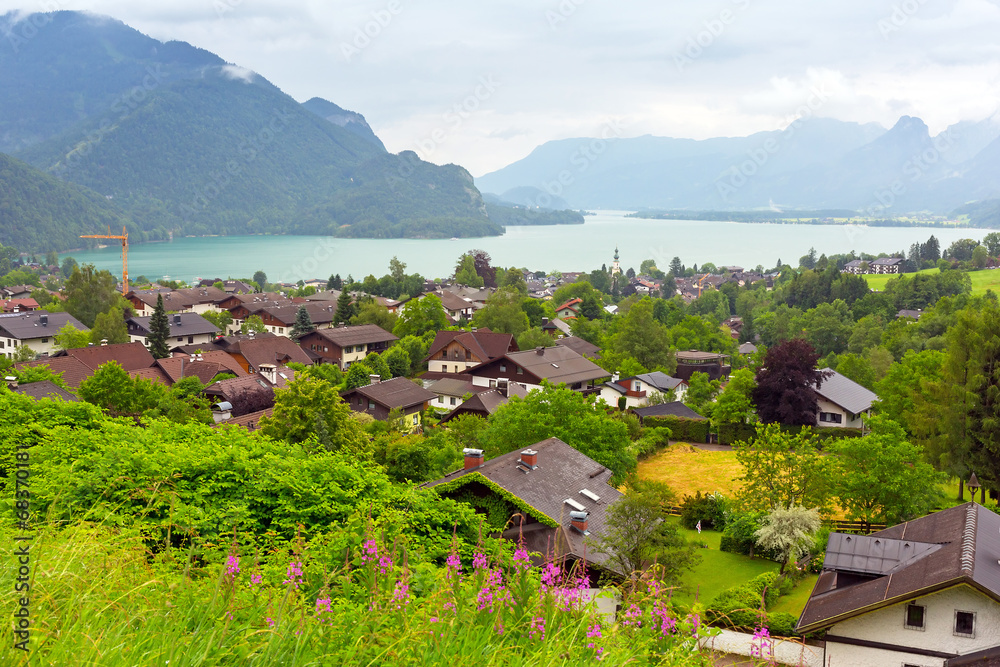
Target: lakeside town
(762, 440)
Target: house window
(416, 418)
(281, 330)
(444, 354)
(180, 339)
(914, 617)
(493, 384)
(190, 339)
(45, 340)
(371, 405)
(831, 418)
(444, 368)
(965, 623)
(503, 368)
(452, 400)
(520, 371)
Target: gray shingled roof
(955, 546)
(44, 389)
(660, 380)
(675, 409)
(28, 326)
(846, 393)
(361, 334)
(557, 364)
(395, 393)
(191, 324)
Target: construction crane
(700, 281)
(124, 239)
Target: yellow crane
(124, 239)
(700, 282)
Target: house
(188, 300)
(556, 328)
(255, 351)
(747, 348)
(18, 305)
(886, 265)
(486, 401)
(72, 370)
(249, 421)
(242, 306)
(16, 292)
(909, 314)
(41, 389)
(925, 592)
(279, 319)
(556, 365)
(569, 310)
(130, 356)
(580, 346)
(690, 362)
(843, 403)
(674, 409)
(185, 328)
(855, 266)
(392, 305)
(449, 391)
(380, 397)
(345, 345)
(637, 388)
(36, 330)
(455, 307)
(455, 352)
(263, 384)
(562, 496)
(205, 366)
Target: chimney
(44, 319)
(614, 377)
(545, 321)
(473, 458)
(269, 372)
(579, 521)
(222, 411)
(529, 457)
(374, 378)
(540, 350)
(11, 382)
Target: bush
(739, 535)
(739, 607)
(685, 430)
(782, 624)
(710, 509)
(730, 433)
(652, 441)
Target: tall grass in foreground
(99, 597)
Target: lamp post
(974, 486)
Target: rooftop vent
(540, 350)
(177, 318)
(44, 319)
(575, 505)
(590, 494)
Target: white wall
(846, 421)
(786, 651)
(886, 626)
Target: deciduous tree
(304, 402)
(781, 469)
(786, 384)
(788, 531)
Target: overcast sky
(482, 83)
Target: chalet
(843, 403)
(345, 345)
(263, 383)
(486, 401)
(455, 307)
(380, 397)
(457, 351)
(254, 351)
(279, 319)
(638, 388)
(16, 292)
(185, 328)
(449, 392)
(556, 365)
(392, 305)
(887, 265)
(242, 306)
(556, 496)
(35, 330)
(18, 305)
(190, 300)
(921, 593)
(690, 362)
(569, 310)
(556, 328)
(856, 266)
(205, 366)
(909, 314)
(747, 348)
(130, 356)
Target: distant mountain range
(171, 138)
(814, 163)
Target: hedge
(738, 608)
(733, 433)
(681, 428)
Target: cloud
(237, 73)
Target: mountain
(183, 142)
(30, 202)
(350, 120)
(816, 163)
(983, 214)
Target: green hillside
(40, 213)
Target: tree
(372, 312)
(335, 282)
(222, 320)
(159, 330)
(89, 292)
(397, 269)
(857, 368)
(676, 268)
(260, 278)
(303, 324)
(984, 409)
(52, 258)
(398, 361)
(931, 251)
(419, 316)
(68, 266)
(306, 405)
(734, 405)
(788, 531)
(110, 327)
(345, 307)
(781, 469)
(481, 261)
(114, 391)
(786, 384)
(253, 324)
(640, 336)
(700, 393)
(377, 365)
(534, 338)
(637, 533)
(465, 272)
(565, 414)
(358, 375)
(69, 337)
(961, 249)
(24, 353)
(513, 278)
(882, 478)
(502, 313)
(992, 243)
(979, 256)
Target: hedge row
(681, 428)
(744, 547)
(738, 608)
(733, 433)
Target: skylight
(575, 505)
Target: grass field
(687, 469)
(981, 280)
(794, 602)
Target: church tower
(616, 267)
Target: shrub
(740, 607)
(710, 509)
(685, 430)
(652, 441)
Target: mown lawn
(794, 602)
(687, 469)
(981, 280)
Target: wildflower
(323, 605)
(232, 566)
(480, 561)
(493, 592)
(255, 579)
(522, 561)
(401, 595)
(434, 619)
(594, 632)
(633, 617)
(454, 564)
(270, 621)
(293, 575)
(761, 645)
(537, 627)
(369, 551)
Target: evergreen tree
(303, 324)
(260, 278)
(159, 331)
(676, 268)
(345, 307)
(335, 282)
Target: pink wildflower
(232, 566)
(537, 627)
(369, 551)
(256, 578)
(522, 561)
(293, 575)
(480, 561)
(270, 621)
(401, 595)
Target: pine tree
(303, 324)
(159, 331)
(345, 307)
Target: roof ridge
(969, 540)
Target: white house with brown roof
(638, 389)
(187, 328)
(457, 351)
(346, 345)
(842, 402)
(36, 330)
(556, 365)
(925, 593)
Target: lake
(562, 248)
